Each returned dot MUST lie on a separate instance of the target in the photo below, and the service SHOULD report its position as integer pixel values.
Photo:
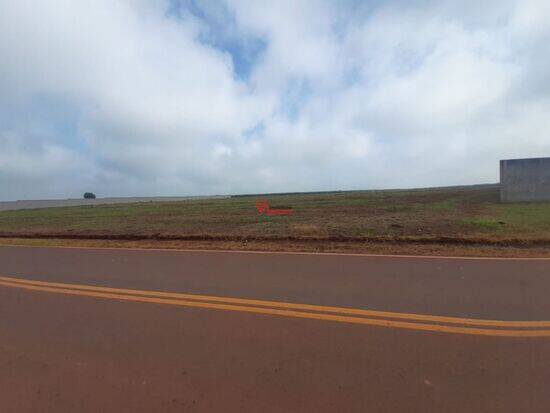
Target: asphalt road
(122, 330)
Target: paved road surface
(103, 330)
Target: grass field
(459, 213)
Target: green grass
(446, 205)
(524, 219)
(439, 212)
(484, 223)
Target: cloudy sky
(178, 97)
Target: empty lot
(463, 216)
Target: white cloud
(342, 95)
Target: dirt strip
(422, 240)
(383, 248)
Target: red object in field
(263, 208)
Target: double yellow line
(421, 322)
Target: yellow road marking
(294, 306)
(285, 309)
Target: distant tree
(89, 195)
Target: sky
(189, 97)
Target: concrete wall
(525, 180)
(55, 203)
